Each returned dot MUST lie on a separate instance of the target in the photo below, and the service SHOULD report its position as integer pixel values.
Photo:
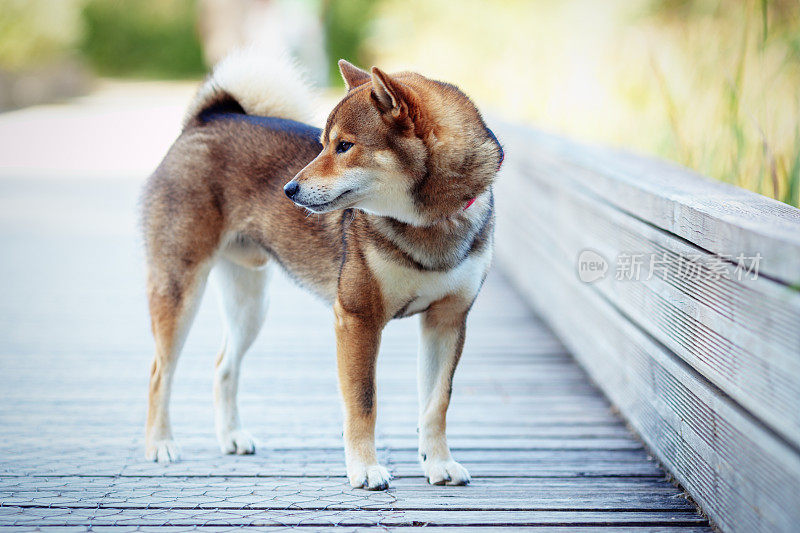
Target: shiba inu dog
(401, 179)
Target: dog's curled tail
(256, 81)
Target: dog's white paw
(370, 477)
(238, 441)
(447, 472)
(163, 451)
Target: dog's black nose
(291, 189)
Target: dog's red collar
(500, 164)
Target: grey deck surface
(543, 446)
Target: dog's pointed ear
(352, 75)
(388, 94)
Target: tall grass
(711, 84)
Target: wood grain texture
(743, 335)
(707, 370)
(546, 451)
(715, 216)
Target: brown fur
(437, 135)
(219, 194)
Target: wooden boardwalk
(544, 447)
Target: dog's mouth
(330, 205)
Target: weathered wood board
(546, 450)
(705, 367)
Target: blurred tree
(34, 32)
(346, 28)
(148, 38)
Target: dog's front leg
(357, 342)
(443, 327)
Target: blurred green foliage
(752, 156)
(711, 84)
(347, 23)
(34, 32)
(142, 38)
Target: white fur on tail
(265, 82)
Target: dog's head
(399, 145)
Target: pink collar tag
(470, 203)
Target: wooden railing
(681, 298)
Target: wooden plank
(742, 474)
(540, 528)
(563, 468)
(743, 335)
(353, 518)
(715, 216)
(335, 494)
(707, 368)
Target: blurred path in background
(122, 130)
(542, 444)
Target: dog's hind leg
(244, 304)
(174, 295)
(443, 327)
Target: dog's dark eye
(343, 146)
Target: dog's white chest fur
(412, 290)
